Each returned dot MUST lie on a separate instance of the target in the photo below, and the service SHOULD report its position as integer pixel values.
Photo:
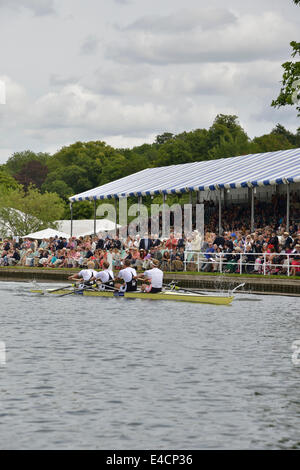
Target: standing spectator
(146, 243)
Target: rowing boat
(166, 295)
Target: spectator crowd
(267, 251)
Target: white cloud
(56, 80)
(89, 45)
(183, 21)
(171, 84)
(76, 107)
(164, 68)
(39, 7)
(244, 39)
(123, 2)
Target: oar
(60, 288)
(201, 293)
(68, 293)
(115, 290)
(240, 285)
(107, 288)
(185, 290)
(76, 291)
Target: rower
(128, 277)
(85, 275)
(105, 278)
(155, 276)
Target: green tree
(224, 129)
(271, 143)
(7, 181)
(32, 173)
(114, 169)
(290, 91)
(59, 187)
(73, 176)
(28, 212)
(197, 141)
(81, 210)
(85, 165)
(231, 147)
(163, 138)
(174, 152)
(19, 159)
(293, 139)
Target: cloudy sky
(124, 71)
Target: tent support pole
(95, 209)
(191, 203)
(288, 207)
(220, 212)
(140, 202)
(252, 210)
(116, 216)
(164, 216)
(71, 210)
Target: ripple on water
(87, 373)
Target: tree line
(29, 178)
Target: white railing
(220, 262)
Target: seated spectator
(219, 240)
(196, 241)
(165, 264)
(116, 261)
(209, 253)
(15, 257)
(177, 263)
(295, 269)
(43, 257)
(287, 241)
(51, 261)
(135, 258)
(28, 258)
(116, 243)
(4, 258)
(249, 259)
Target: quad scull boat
(164, 295)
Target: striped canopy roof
(261, 169)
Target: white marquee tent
(86, 227)
(47, 233)
(250, 171)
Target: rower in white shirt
(85, 275)
(155, 276)
(105, 277)
(127, 276)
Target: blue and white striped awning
(261, 169)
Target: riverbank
(256, 284)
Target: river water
(96, 373)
